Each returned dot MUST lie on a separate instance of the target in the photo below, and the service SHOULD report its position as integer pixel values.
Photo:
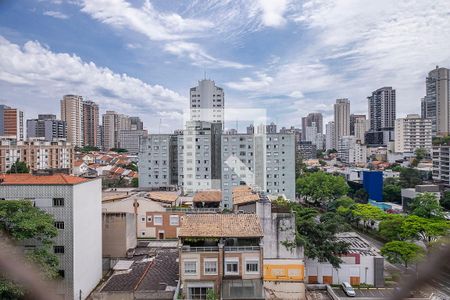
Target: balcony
(241, 248)
(200, 249)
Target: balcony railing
(241, 248)
(199, 249)
(194, 209)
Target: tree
(426, 205)
(20, 220)
(361, 196)
(135, 182)
(445, 200)
(299, 165)
(318, 235)
(390, 228)
(118, 150)
(425, 230)
(319, 188)
(409, 177)
(392, 193)
(402, 252)
(421, 153)
(343, 201)
(368, 213)
(18, 167)
(87, 149)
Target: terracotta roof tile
(220, 225)
(208, 196)
(29, 179)
(243, 195)
(166, 197)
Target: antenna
(159, 127)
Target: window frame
(177, 220)
(231, 260)
(192, 261)
(252, 260)
(210, 260)
(155, 217)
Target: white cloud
(273, 12)
(55, 14)
(199, 56)
(34, 72)
(260, 83)
(170, 28)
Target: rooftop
(220, 225)
(29, 179)
(357, 244)
(243, 195)
(166, 197)
(208, 196)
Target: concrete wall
(87, 237)
(119, 234)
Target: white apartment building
(38, 154)
(330, 138)
(72, 114)
(350, 151)
(412, 133)
(313, 135)
(207, 102)
(264, 162)
(157, 161)
(129, 140)
(441, 164)
(75, 203)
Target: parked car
(348, 289)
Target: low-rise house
(362, 264)
(150, 274)
(221, 252)
(79, 168)
(167, 198)
(207, 199)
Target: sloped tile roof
(29, 179)
(220, 225)
(208, 196)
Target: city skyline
(305, 65)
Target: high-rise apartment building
(312, 135)
(360, 127)
(436, 103)
(76, 205)
(72, 114)
(46, 127)
(129, 140)
(271, 128)
(265, 162)
(341, 118)
(382, 109)
(136, 123)
(11, 122)
(330, 136)
(37, 154)
(316, 118)
(441, 159)
(90, 124)
(109, 125)
(353, 118)
(207, 102)
(412, 133)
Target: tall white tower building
(341, 118)
(72, 114)
(207, 102)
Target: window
(210, 267)
(232, 266)
(190, 267)
(58, 201)
(143, 219)
(174, 220)
(149, 218)
(59, 224)
(157, 220)
(58, 249)
(252, 266)
(61, 273)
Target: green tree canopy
(392, 193)
(20, 220)
(135, 182)
(18, 167)
(343, 201)
(409, 177)
(426, 205)
(445, 200)
(319, 188)
(318, 235)
(402, 252)
(426, 230)
(368, 213)
(390, 228)
(421, 153)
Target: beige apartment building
(37, 154)
(72, 113)
(412, 133)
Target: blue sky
(289, 57)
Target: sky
(288, 57)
